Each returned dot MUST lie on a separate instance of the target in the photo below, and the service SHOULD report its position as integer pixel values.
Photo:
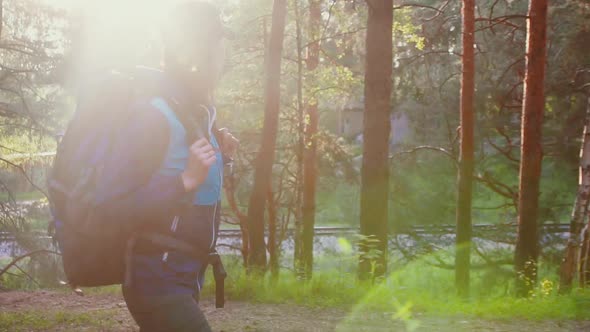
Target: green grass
(104, 290)
(97, 320)
(416, 287)
(423, 288)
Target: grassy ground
(417, 297)
(416, 289)
(106, 311)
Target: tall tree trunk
(527, 242)
(310, 168)
(273, 250)
(465, 176)
(376, 132)
(298, 238)
(265, 157)
(1, 17)
(584, 266)
(579, 213)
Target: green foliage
(17, 142)
(14, 279)
(23, 196)
(427, 179)
(422, 180)
(337, 203)
(370, 253)
(405, 31)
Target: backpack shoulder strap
(178, 113)
(166, 109)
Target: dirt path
(58, 311)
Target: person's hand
(229, 143)
(201, 157)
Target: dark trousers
(166, 313)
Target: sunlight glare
(114, 33)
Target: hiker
(161, 293)
(136, 184)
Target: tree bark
(466, 164)
(527, 246)
(376, 132)
(273, 250)
(572, 256)
(584, 266)
(265, 157)
(298, 237)
(1, 17)
(310, 168)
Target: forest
(403, 165)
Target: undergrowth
(418, 287)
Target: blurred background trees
(47, 48)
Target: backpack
(95, 251)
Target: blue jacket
(154, 152)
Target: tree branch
(29, 254)
(426, 147)
(24, 173)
